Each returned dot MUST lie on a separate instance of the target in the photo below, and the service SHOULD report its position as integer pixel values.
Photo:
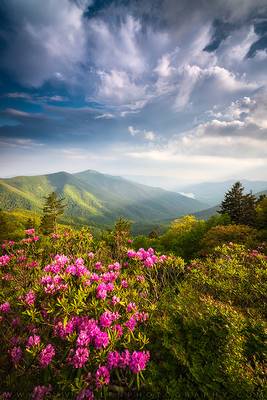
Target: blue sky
(170, 88)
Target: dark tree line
(242, 208)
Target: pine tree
(52, 209)
(240, 207)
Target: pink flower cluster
(46, 355)
(16, 354)
(30, 231)
(147, 256)
(4, 260)
(88, 331)
(39, 392)
(30, 298)
(137, 361)
(33, 341)
(5, 307)
(53, 284)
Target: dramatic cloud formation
(174, 88)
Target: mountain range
(212, 193)
(93, 197)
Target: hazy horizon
(174, 89)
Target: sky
(175, 90)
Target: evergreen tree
(240, 207)
(52, 209)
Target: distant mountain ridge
(91, 196)
(212, 193)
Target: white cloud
(118, 87)
(148, 135)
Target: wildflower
(83, 339)
(79, 358)
(35, 238)
(61, 259)
(140, 278)
(101, 340)
(39, 392)
(98, 265)
(107, 318)
(125, 359)
(34, 340)
(149, 262)
(124, 283)
(131, 323)
(30, 232)
(4, 260)
(113, 359)
(102, 376)
(131, 253)
(139, 360)
(91, 255)
(131, 307)
(5, 307)
(16, 355)
(119, 330)
(30, 298)
(115, 300)
(46, 355)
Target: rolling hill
(94, 197)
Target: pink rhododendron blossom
(61, 259)
(46, 355)
(30, 231)
(107, 318)
(83, 339)
(5, 307)
(115, 300)
(139, 360)
(124, 283)
(34, 340)
(16, 355)
(30, 298)
(140, 278)
(102, 376)
(4, 260)
(101, 340)
(79, 357)
(98, 266)
(131, 323)
(40, 392)
(119, 330)
(131, 253)
(131, 307)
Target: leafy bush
(211, 335)
(218, 235)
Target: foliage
(261, 210)
(212, 332)
(218, 235)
